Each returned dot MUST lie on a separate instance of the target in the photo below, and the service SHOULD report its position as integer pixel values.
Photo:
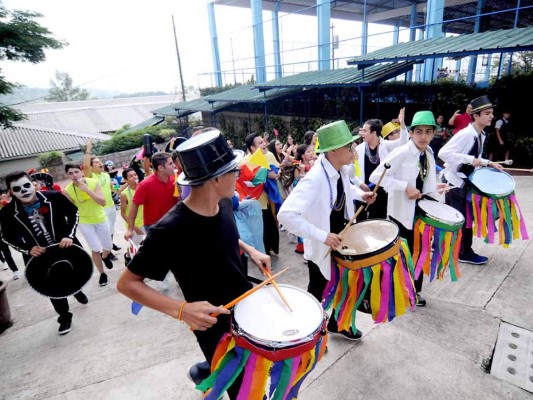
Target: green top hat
(334, 136)
(423, 118)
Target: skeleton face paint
(23, 190)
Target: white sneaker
(5, 267)
(16, 275)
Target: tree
(21, 39)
(63, 89)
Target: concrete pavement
(432, 353)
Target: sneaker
(103, 279)
(5, 267)
(16, 275)
(107, 261)
(113, 257)
(198, 372)
(420, 301)
(349, 335)
(64, 327)
(115, 247)
(473, 258)
(81, 297)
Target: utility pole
(179, 61)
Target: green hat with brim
(334, 136)
(423, 118)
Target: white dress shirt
(455, 153)
(403, 171)
(385, 147)
(307, 209)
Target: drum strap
(366, 262)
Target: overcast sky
(128, 46)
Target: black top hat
(59, 273)
(480, 104)
(205, 157)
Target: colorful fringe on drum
(486, 210)
(390, 282)
(446, 245)
(285, 376)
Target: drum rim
(430, 219)
(476, 189)
(273, 344)
(351, 257)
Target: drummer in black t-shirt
(201, 229)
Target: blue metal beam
(434, 15)
(275, 34)
(471, 77)
(412, 35)
(364, 33)
(323, 13)
(259, 42)
(214, 42)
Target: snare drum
(277, 347)
(372, 269)
(492, 198)
(438, 228)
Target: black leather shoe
(107, 261)
(115, 247)
(420, 301)
(198, 372)
(103, 279)
(64, 327)
(349, 335)
(80, 296)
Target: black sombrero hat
(45, 178)
(59, 273)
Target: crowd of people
(200, 187)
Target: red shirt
(461, 121)
(156, 197)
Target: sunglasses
(17, 189)
(236, 171)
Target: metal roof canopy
(391, 12)
(501, 41)
(340, 77)
(248, 94)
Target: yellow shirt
(90, 211)
(104, 180)
(139, 219)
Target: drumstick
(362, 207)
(519, 170)
(249, 292)
(506, 162)
(440, 191)
(269, 275)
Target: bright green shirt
(104, 180)
(90, 211)
(139, 219)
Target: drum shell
(367, 259)
(275, 349)
(438, 221)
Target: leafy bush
(50, 158)
(132, 140)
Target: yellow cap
(388, 128)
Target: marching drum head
(441, 212)
(367, 238)
(265, 320)
(492, 182)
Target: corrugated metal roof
(92, 116)
(339, 77)
(22, 142)
(248, 94)
(149, 122)
(505, 40)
